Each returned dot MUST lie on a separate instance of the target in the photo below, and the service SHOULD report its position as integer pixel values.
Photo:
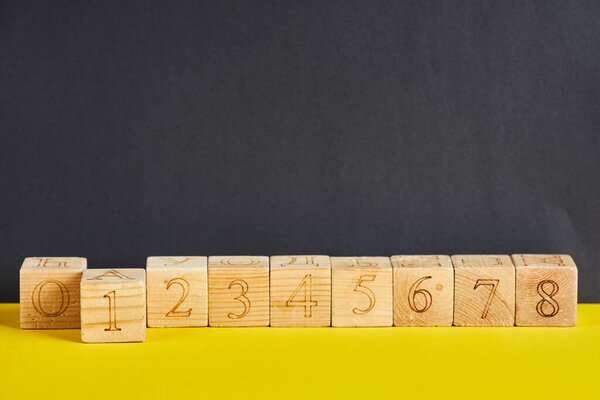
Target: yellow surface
(287, 363)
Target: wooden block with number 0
(300, 291)
(361, 291)
(113, 305)
(423, 290)
(546, 290)
(238, 291)
(484, 290)
(49, 292)
(177, 291)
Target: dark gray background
(344, 128)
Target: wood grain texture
(177, 290)
(361, 291)
(546, 290)
(49, 292)
(238, 291)
(423, 290)
(300, 290)
(484, 290)
(113, 305)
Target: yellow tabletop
(289, 363)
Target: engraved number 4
(307, 302)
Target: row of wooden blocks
(114, 305)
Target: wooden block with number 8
(49, 292)
(423, 290)
(300, 291)
(484, 290)
(177, 291)
(361, 291)
(238, 291)
(546, 290)
(113, 305)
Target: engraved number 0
(412, 295)
(487, 282)
(367, 292)
(185, 286)
(36, 298)
(112, 311)
(307, 302)
(241, 298)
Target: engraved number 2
(185, 286)
(367, 292)
(241, 298)
(307, 302)
(487, 282)
(112, 311)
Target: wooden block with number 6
(177, 291)
(300, 291)
(361, 291)
(238, 291)
(113, 305)
(423, 290)
(484, 290)
(49, 289)
(546, 290)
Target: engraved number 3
(241, 298)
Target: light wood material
(484, 290)
(361, 291)
(423, 290)
(177, 291)
(238, 291)
(300, 291)
(546, 290)
(113, 305)
(49, 292)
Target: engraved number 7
(487, 282)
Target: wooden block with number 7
(113, 305)
(300, 291)
(423, 290)
(484, 290)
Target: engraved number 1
(112, 311)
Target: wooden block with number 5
(238, 291)
(49, 289)
(546, 290)
(177, 291)
(423, 290)
(361, 291)
(300, 291)
(113, 305)
(484, 290)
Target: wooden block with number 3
(238, 291)
(300, 291)
(484, 290)
(113, 305)
(49, 289)
(546, 290)
(423, 290)
(177, 291)
(361, 291)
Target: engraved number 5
(367, 292)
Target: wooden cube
(113, 305)
(49, 289)
(361, 291)
(546, 290)
(423, 290)
(300, 291)
(238, 291)
(484, 290)
(177, 291)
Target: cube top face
(135, 276)
(421, 261)
(54, 264)
(543, 260)
(482, 261)
(238, 262)
(360, 263)
(176, 262)
(305, 261)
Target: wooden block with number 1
(113, 305)
(177, 291)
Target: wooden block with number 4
(423, 290)
(361, 291)
(300, 291)
(49, 291)
(484, 290)
(546, 290)
(177, 291)
(113, 305)
(238, 291)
